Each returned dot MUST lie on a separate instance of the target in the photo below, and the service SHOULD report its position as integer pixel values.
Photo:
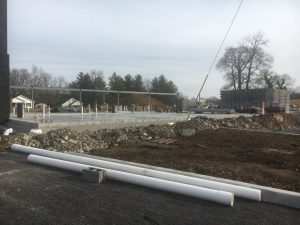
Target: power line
(216, 56)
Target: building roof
(21, 99)
(71, 102)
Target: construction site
(112, 156)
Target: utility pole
(4, 65)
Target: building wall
(4, 65)
(245, 99)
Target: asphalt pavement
(32, 194)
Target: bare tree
(20, 77)
(234, 63)
(257, 58)
(213, 100)
(243, 63)
(39, 78)
(148, 84)
(265, 79)
(59, 81)
(271, 79)
(284, 81)
(296, 89)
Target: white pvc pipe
(222, 197)
(240, 191)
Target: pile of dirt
(142, 100)
(269, 121)
(86, 141)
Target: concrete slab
(92, 121)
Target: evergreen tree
(161, 84)
(138, 83)
(129, 82)
(116, 82)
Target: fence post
(32, 102)
(96, 109)
(149, 101)
(118, 99)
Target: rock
(103, 145)
(36, 131)
(122, 137)
(66, 137)
(7, 132)
(26, 137)
(246, 126)
(73, 141)
(279, 118)
(188, 132)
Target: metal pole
(149, 101)
(43, 112)
(80, 96)
(32, 97)
(96, 109)
(81, 105)
(49, 111)
(118, 99)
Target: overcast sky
(177, 38)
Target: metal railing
(64, 89)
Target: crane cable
(216, 56)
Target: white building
(28, 103)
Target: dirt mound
(270, 121)
(142, 100)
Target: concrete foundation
(102, 121)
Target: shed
(28, 103)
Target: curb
(268, 194)
(260, 131)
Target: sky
(177, 38)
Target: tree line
(248, 65)
(94, 79)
